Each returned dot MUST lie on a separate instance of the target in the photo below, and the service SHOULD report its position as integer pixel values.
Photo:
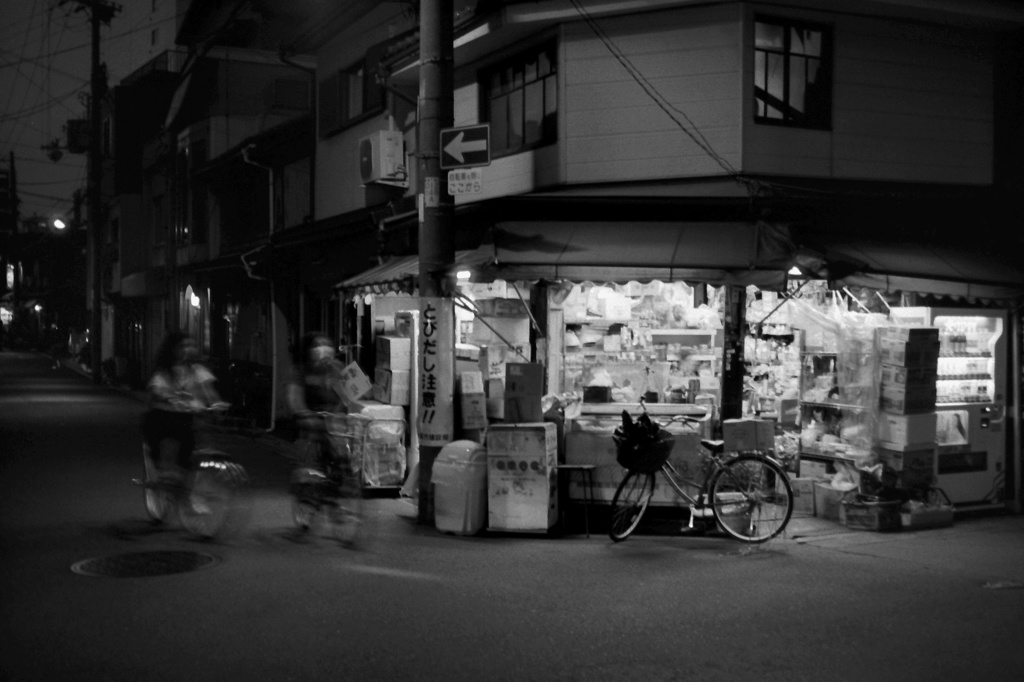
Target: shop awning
(399, 275)
(966, 272)
(709, 252)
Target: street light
(58, 224)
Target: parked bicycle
(206, 497)
(748, 494)
(327, 488)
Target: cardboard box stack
(391, 383)
(472, 402)
(501, 331)
(905, 432)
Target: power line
(693, 132)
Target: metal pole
(95, 173)
(436, 207)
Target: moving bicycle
(327, 485)
(201, 484)
(748, 494)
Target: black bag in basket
(642, 446)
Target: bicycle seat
(715, 447)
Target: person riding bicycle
(315, 388)
(179, 388)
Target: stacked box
(741, 435)
(914, 468)
(472, 401)
(394, 352)
(910, 360)
(803, 495)
(391, 386)
(906, 431)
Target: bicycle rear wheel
(629, 504)
(156, 496)
(751, 498)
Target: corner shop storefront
(708, 265)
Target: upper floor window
(347, 96)
(521, 101)
(792, 73)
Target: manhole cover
(143, 564)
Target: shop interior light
(463, 275)
(59, 224)
(795, 271)
(195, 301)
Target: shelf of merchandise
(817, 452)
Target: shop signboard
(436, 418)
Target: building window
(792, 74)
(347, 96)
(521, 101)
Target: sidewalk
(987, 545)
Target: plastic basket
(644, 457)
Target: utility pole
(100, 12)
(436, 240)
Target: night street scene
(511, 339)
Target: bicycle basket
(643, 454)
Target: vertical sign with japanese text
(436, 419)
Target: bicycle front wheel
(215, 494)
(629, 504)
(751, 498)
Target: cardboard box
(915, 468)
(905, 431)
(811, 468)
(473, 410)
(908, 401)
(915, 335)
(742, 435)
(394, 352)
(391, 386)
(880, 517)
(803, 495)
(911, 377)
(828, 501)
(354, 382)
(908, 353)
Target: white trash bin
(459, 480)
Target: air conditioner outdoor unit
(382, 158)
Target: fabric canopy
(399, 274)
(712, 253)
(715, 253)
(966, 272)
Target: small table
(587, 476)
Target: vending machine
(971, 434)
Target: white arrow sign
(458, 146)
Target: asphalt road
(415, 604)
